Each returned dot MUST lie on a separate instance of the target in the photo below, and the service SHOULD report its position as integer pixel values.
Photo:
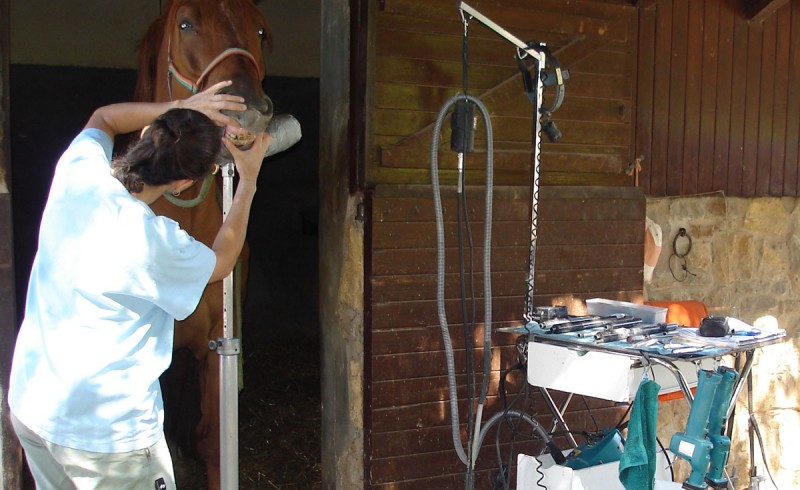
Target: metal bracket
(226, 346)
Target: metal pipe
(687, 392)
(740, 383)
(228, 349)
(502, 32)
(557, 415)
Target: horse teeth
(240, 139)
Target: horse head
(197, 43)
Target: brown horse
(192, 45)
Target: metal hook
(465, 20)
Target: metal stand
(228, 347)
(539, 58)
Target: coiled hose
(440, 258)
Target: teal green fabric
(637, 467)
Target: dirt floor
(279, 419)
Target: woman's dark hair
(180, 144)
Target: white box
(600, 374)
(605, 307)
(601, 477)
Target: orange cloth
(687, 313)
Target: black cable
(666, 456)
(754, 425)
(469, 320)
(589, 410)
(541, 477)
(468, 337)
(524, 393)
(681, 257)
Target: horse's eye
(261, 32)
(185, 25)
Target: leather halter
(194, 87)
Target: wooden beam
(758, 11)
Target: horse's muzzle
(253, 121)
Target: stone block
(767, 216)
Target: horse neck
(202, 222)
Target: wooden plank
(661, 104)
(429, 414)
(408, 288)
(421, 313)
(416, 261)
(411, 176)
(780, 105)
(709, 90)
(442, 47)
(677, 97)
(429, 339)
(736, 159)
(425, 440)
(437, 73)
(423, 235)
(792, 171)
(423, 287)
(504, 309)
(513, 18)
(722, 125)
(693, 100)
(752, 97)
(552, 207)
(645, 75)
(766, 107)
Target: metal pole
(502, 32)
(540, 57)
(228, 348)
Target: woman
(108, 281)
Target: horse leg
(208, 429)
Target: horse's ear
(149, 46)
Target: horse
(194, 44)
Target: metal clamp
(225, 346)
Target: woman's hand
(248, 162)
(210, 103)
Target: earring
(176, 193)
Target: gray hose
(440, 258)
(521, 415)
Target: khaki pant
(57, 467)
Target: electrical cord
(487, 295)
(469, 319)
(680, 258)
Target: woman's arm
(230, 238)
(126, 117)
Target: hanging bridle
(194, 87)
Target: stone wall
(744, 262)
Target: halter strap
(194, 87)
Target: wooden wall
(590, 246)
(417, 67)
(591, 218)
(718, 99)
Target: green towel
(637, 466)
